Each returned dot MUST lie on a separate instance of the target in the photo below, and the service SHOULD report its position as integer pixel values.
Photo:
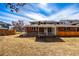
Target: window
(49, 30)
(73, 29)
(70, 29)
(77, 29)
(34, 28)
(61, 28)
(67, 29)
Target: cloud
(44, 7)
(47, 8)
(34, 12)
(64, 14)
(74, 17)
(30, 8)
(37, 16)
(12, 16)
(5, 18)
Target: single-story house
(52, 29)
(5, 29)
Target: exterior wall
(31, 31)
(40, 31)
(67, 32)
(59, 31)
(28, 29)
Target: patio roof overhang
(48, 25)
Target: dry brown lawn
(16, 46)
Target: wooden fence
(4, 32)
(70, 33)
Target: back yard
(14, 46)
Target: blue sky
(41, 12)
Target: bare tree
(14, 7)
(18, 25)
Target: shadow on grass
(25, 36)
(69, 36)
(49, 39)
(43, 38)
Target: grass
(15, 46)
(18, 32)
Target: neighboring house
(72, 22)
(52, 28)
(5, 29)
(4, 25)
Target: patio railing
(45, 34)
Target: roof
(61, 23)
(66, 22)
(70, 20)
(44, 22)
(1, 22)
